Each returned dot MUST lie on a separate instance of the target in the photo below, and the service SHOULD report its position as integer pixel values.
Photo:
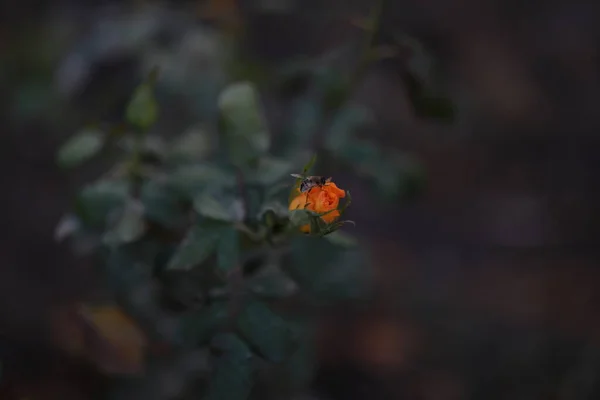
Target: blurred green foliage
(160, 223)
(199, 221)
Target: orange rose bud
(320, 199)
(333, 189)
(326, 201)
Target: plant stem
(372, 29)
(355, 77)
(235, 289)
(135, 168)
(243, 192)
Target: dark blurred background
(486, 279)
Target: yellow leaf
(104, 335)
(116, 344)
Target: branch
(355, 77)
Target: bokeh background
(485, 277)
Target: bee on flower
(317, 194)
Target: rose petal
(298, 203)
(326, 201)
(323, 199)
(333, 189)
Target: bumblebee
(309, 182)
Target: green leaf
(161, 205)
(272, 282)
(270, 170)
(228, 249)
(80, 148)
(128, 266)
(300, 217)
(310, 256)
(207, 206)
(193, 145)
(200, 242)
(327, 271)
(278, 192)
(142, 110)
(253, 201)
(345, 125)
(361, 152)
(304, 121)
(317, 225)
(346, 279)
(130, 225)
(232, 375)
(333, 227)
(342, 239)
(266, 331)
(278, 209)
(300, 368)
(269, 218)
(151, 147)
(243, 123)
(190, 181)
(198, 327)
(96, 201)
